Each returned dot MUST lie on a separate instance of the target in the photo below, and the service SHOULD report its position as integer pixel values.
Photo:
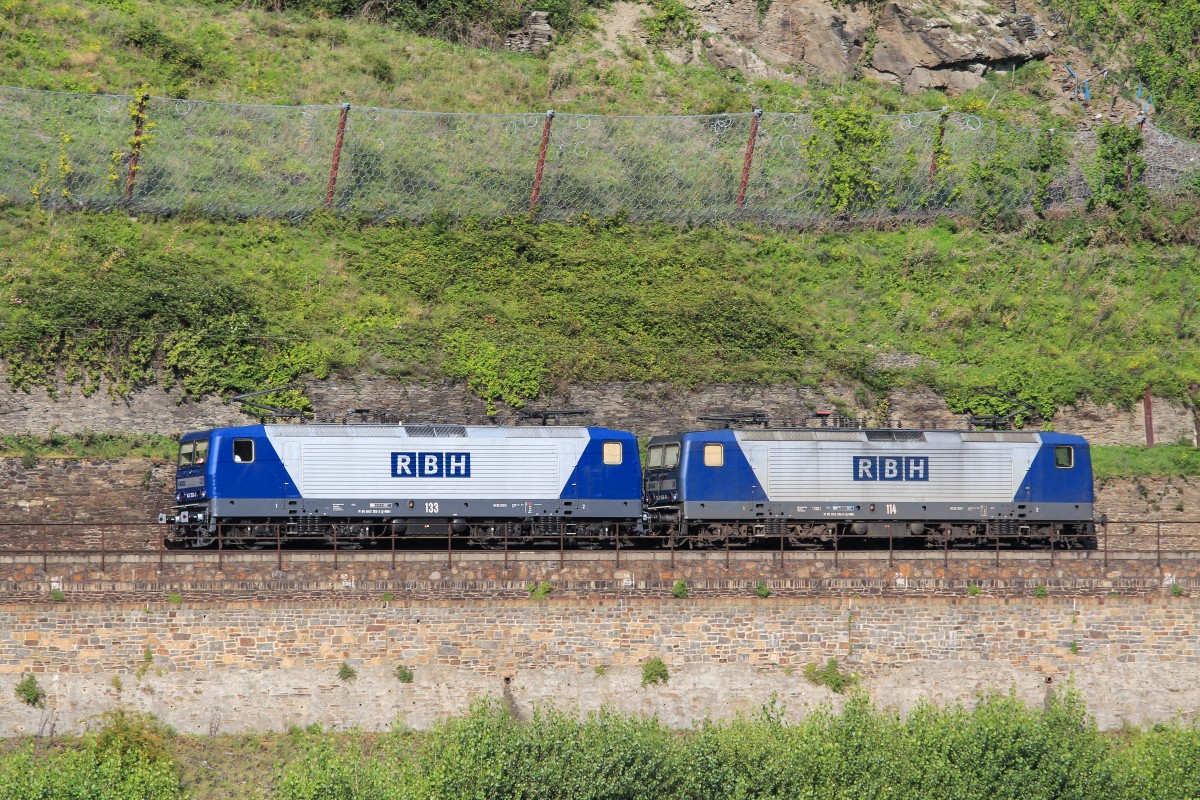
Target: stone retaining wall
(251, 666)
(484, 576)
(646, 408)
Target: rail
(1140, 538)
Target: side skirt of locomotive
(1059, 526)
(355, 533)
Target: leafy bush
(671, 23)
(679, 589)
(540, 590)
(404, 674)
(830, 676)
(654, 670)
(347, 673)
(1041, 591)
(762, 590)
(30, 692)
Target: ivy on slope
(1050, 314)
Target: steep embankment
(1054, 313)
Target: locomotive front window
(201, 452)
(714, 454)
(243, 451)
(612, 453)
(654, 457)
(671, 456)
(187, 454)
(1064, 456)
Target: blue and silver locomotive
(814, 485)
(354, 483)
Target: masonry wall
(647, 408)
(252, 666)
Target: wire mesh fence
(153, 155)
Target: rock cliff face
(911, 43)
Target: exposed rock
(916, 45)
(535, 37)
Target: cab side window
(612, 453)
(1064, 456)
(243, 451)
(714, 454)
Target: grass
(88, 445)
(231, 53)
(1043, 313)
(1173, 460)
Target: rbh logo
(891, 468)
(431, 465)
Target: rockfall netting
(153, 155)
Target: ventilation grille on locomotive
(433, 431)
(886, 435)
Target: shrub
(347, 673)
(1041, 591)
(174, 599)
(680, 589)
(30, 692)
(601, 670)
(387, 597)
(974, 589)
(57, 595)
(540, 590)
(1176, 590)
(830, 676)
(404, 674)
(762, 590)
(654, 670)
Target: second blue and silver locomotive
(350, 484)
(819, 485)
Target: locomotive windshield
(193, 453)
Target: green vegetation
(175, 599)
(309, 54)
(679, 589)
(1041, 591)
(540, 590)
(30, 692)
(762, 590)
(129, 758)
(1150, 41)
(347, 673)
(87, 445)
(404, 674)
(830, 676)
(1039, 314)
(974, 589)
(998, 749)
(57, 595)
(1175, 461)
(654, 670)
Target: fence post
(1148, 412)
(741, 195)
(135, 145)
(337, 155)
(541, 163)
(937, 143)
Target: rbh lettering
(891, 468)
(431, 465)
